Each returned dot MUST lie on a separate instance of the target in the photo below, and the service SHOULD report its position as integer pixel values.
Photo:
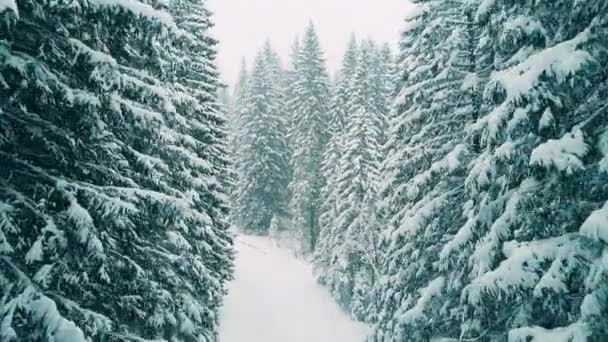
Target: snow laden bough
(520, 238)
(112, 206)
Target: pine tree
(205, 176)
(326, 252)
(344, 86)
(262, 189)
(237, 123)
(533, 184)
(422, 176)
(502, 238)
(240, 94)
(112, 212)
(384, 85)
(357, 211)
(308, 138)
(347, 260)
(290, 84)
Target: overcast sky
(242, 26)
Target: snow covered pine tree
(421, 172)
(308, 136)
(525, 257)
(112, 205)
(327, 251)
(347, 256)
(236, 124)
(263, 161)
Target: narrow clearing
(274, 298)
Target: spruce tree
(356, 186)
(344, 87)
(290, 78)
(502, 238)
(262, 187)
(422, 175)
(309, 135)
(384, 85)
(534, 272)
(326, 252)
(237, 123)
(348, 257)
(112, 212)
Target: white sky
(242, 26)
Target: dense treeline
(292, 129)
(454, 192)
(280, 119)
(113, 160)
(460, 192)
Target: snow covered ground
(275, 298)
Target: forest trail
(274, 298)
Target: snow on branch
(140, 113)
(470, 82)
(416, 217)
(9, 5)
(603, 147)
(46, 80)
(448, 164)
(178, 241)
(524, 79)
(500, 230)
(482, 170)
(576, 332)
(99, 323)
(559, 61)
(433, 289)
(523, 266)
(183, 203)
(596, 225)
(526, 24)
(596, 303)
(108, 206)
(562, 154)
(484, 8)
(6, 226)
(83, 222)
(128, 78)
(95, 56)
(42, 310)
(137, 8)
(149, 163)
(465, 233)
(17, 62)
(413, 18)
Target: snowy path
(274, 298)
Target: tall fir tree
(112, 203)
(262, 187)
(356, 186)
(422, 175)
(290, 78)
(348, 257)
(237, 122)
(384, 84)
(326, 252)
(504, 240)
(344, 87)
(309, 135)
(534, 254)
